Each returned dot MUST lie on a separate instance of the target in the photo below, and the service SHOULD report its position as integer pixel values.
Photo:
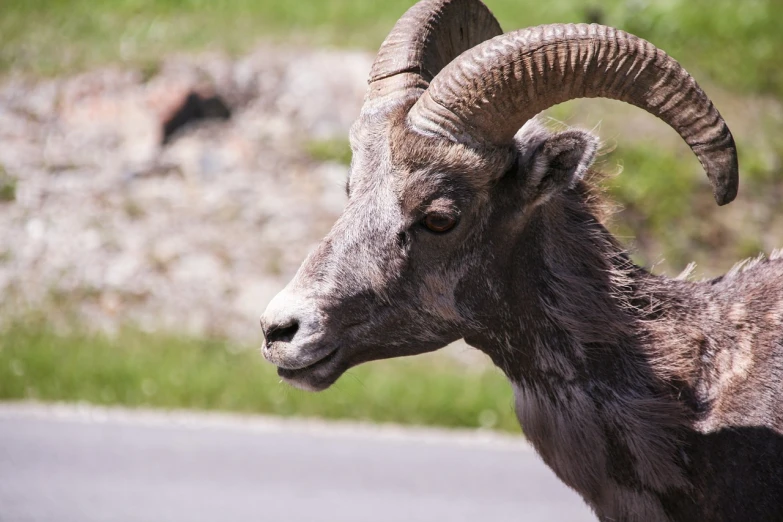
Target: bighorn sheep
(656, 399)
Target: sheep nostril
(284, 333)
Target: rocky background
(195, 234)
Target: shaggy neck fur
(604, 360)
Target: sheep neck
(577, 332)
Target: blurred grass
(170, 371)
(7, 186)
(334, 150)
(663, 207)
(738, 44)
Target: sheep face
(423, 248)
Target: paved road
(67, 463)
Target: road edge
(197, 420)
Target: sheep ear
(558, 163)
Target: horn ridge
(486, 94)
(424, 40)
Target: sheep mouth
(316, 376)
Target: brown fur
(656, 399)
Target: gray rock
(194, 236)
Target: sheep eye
(439, 223)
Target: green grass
(736, 43)
(333, 150)
(168, 371)
(666, 208)
(7, 186)
(654, 189)
(656, 183)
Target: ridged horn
(489, 92)
(427, 37)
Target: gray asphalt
(66, 465)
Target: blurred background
(165, 165)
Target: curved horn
(489, 92)
(427, 37)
